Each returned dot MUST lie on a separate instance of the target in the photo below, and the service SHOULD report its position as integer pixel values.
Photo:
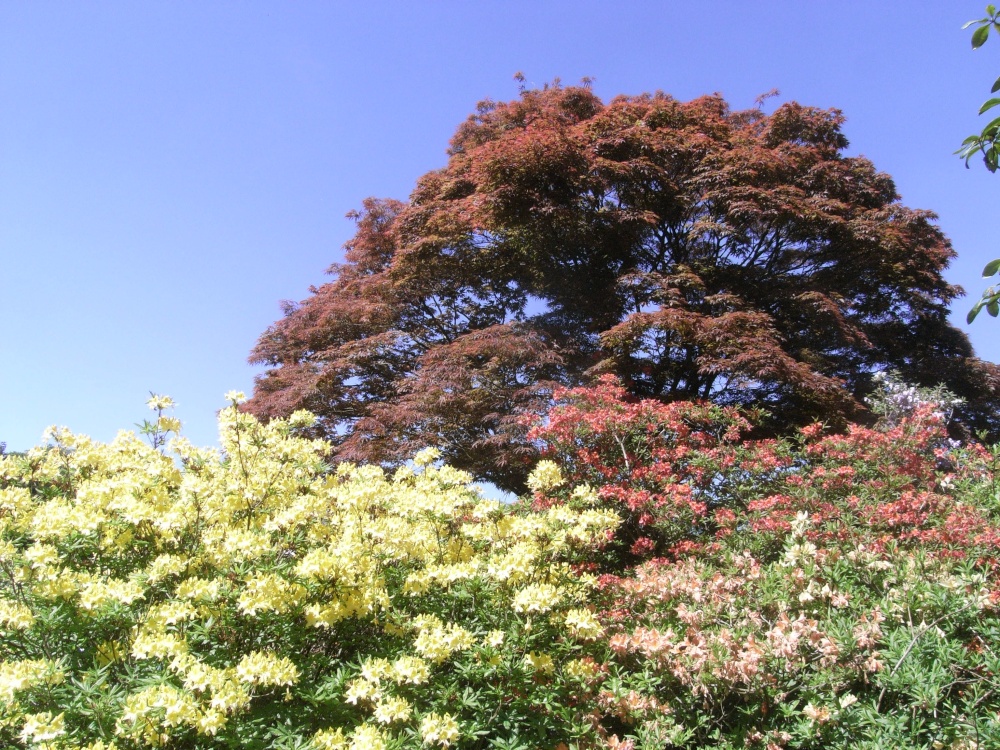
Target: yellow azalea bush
(162, 595)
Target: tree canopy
(693, 250)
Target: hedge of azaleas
(831, 591)
(669, 583)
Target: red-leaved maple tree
(694, 251)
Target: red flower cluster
(683, 480)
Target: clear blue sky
(169, 171)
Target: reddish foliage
(683, 480)
(697, 252)
(659, 464)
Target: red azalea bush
(823, 591)
(673, 471)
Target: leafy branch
(987, 143)
(991, 297)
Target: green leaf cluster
(988, 141)
(991, 297)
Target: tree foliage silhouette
(695, 251)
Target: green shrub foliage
(666, 584)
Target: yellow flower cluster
(15, 616)
(150, 715)
(205, 561)
(269, 593)
(42, 727)
(259, 668)
(437, 641)
(538, 597)
(583, 624)
(546, 476)
(439, 729)
(21, 675)
(539, 662)
(392, 708)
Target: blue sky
(170, 171)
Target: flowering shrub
(671, 471)
(821, 592)
(834, 591)
(255, 598)
(895, 400)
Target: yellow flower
(538, 597)
(20, 675)
(269, 593)
(392, 708)
(583, 624)
(211, 721)
(264, 668)
(15, 616)
(439, 729)
(360, 690)
(367, 737)
(198, 588)
(539, 662)
(42, 727)
(301, 419)
(546, 476)
(153, 644)
(426, 457)
(438, 642)
(158, 403)
(578, 669)
(168, 424)
(329, 739)
(410, 669)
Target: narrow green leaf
(993, 124)
(996, 87)
(967, 24)
(972, 314)
(992, 267)
(990, 104)
(993, 308)
(979, 36)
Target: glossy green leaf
(993, 308)
(996, 86)
(993, 126)
(979, 36)
(990, 104)
(992, 267)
